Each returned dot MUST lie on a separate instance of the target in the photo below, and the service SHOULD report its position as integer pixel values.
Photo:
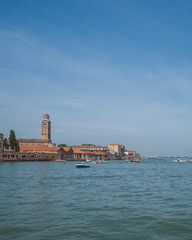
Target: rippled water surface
(116, 200)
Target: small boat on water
(82, 165)
(135, 160)
(179, 160)
(99, 161)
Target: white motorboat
(82, 165)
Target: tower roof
(45, 116)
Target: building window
(32, 156)
(23, 156)
(5, 156)
(12, 156)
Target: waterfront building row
(36, 153)
(45, 149)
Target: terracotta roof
(67, 149)
(1, 133)
(114, 144)
(87, 146)
(22, 140)
(79, 151)
(36, 149)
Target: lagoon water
(116, 200)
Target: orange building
(91, 155)
(54, 153)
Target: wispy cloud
(90, 94)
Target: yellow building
(118, 149)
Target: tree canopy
(13, 143)
(88, 144)
(62, 145)
(5, 144)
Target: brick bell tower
(46, 127)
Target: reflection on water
(117, 200)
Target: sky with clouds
(106, 71)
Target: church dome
(46, 116)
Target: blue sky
(106, 71)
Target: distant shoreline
(46, 160)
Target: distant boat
(137, 160)
(99, 161)
(82, 165)
(87, 160)
(179, 160)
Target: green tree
(13, 142)
(62, 145)
(5, 144)
(87, 144)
